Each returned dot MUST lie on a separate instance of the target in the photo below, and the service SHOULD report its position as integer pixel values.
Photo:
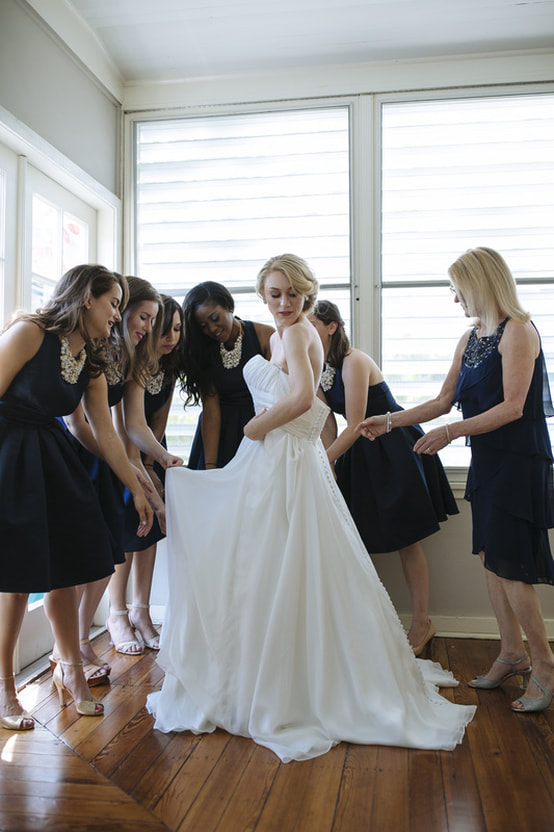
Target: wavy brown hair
(65, 311)
(140, 362)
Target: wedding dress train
(277, 626)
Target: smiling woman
(215, 348)
(48, 361)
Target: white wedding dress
(278, 627)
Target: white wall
(44, 85)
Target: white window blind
(457, 174)
(216, 196)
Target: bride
(277, 625)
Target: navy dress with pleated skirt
(396, 497)
(152, 403)
(510, 479)
(51, 525)
(109, 488)
(235, 401)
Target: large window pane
(216, 196)
(457, 174)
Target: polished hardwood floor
(117, 774)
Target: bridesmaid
(147, 409)
(48, 360)
(215, 348)
(132, 356)
(395, 496)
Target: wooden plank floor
(116, 773)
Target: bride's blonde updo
(297, 272)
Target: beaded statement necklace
(327, 377)
(71, 367)
(113, 373)
(231, 358)
(155, 383)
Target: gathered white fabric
(277, 626)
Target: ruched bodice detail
(261, 377)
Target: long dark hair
(199, 353)
(171, 364)
(65, 311)
(328, 312)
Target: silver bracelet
(389, 421)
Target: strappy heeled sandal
(152, 643)
(534, 705)
(15, 722)
(482, 683)
(94, 674)
(87, 707)
(124, 647)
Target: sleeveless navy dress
(396, 497)
(235, 401)
(152, 403)
(510, 479)
(51, 525)
(109, 488)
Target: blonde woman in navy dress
(395, 496)
(52, 529)
(498, 377)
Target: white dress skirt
(277, 626)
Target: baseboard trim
(449, 626)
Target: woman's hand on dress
(170, 461)
(432, 442)
(373, 427)
(253, 429)
(145, 513)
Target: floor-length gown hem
(278, 627)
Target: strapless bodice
(268, 383)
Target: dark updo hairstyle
(65, 311)
(171, 364)
(328, 313)
(199, 353)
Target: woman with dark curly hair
(215, 348)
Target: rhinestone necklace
(231, 358)
(113, 374)
(71, 367)
(327, 377)
(154, 383)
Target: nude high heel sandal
(126, 647)
(16, 722)
(152, 643)
(88, 707)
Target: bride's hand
(253, 429)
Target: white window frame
(24, 148)
(365, 175)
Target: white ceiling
(156, 40)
